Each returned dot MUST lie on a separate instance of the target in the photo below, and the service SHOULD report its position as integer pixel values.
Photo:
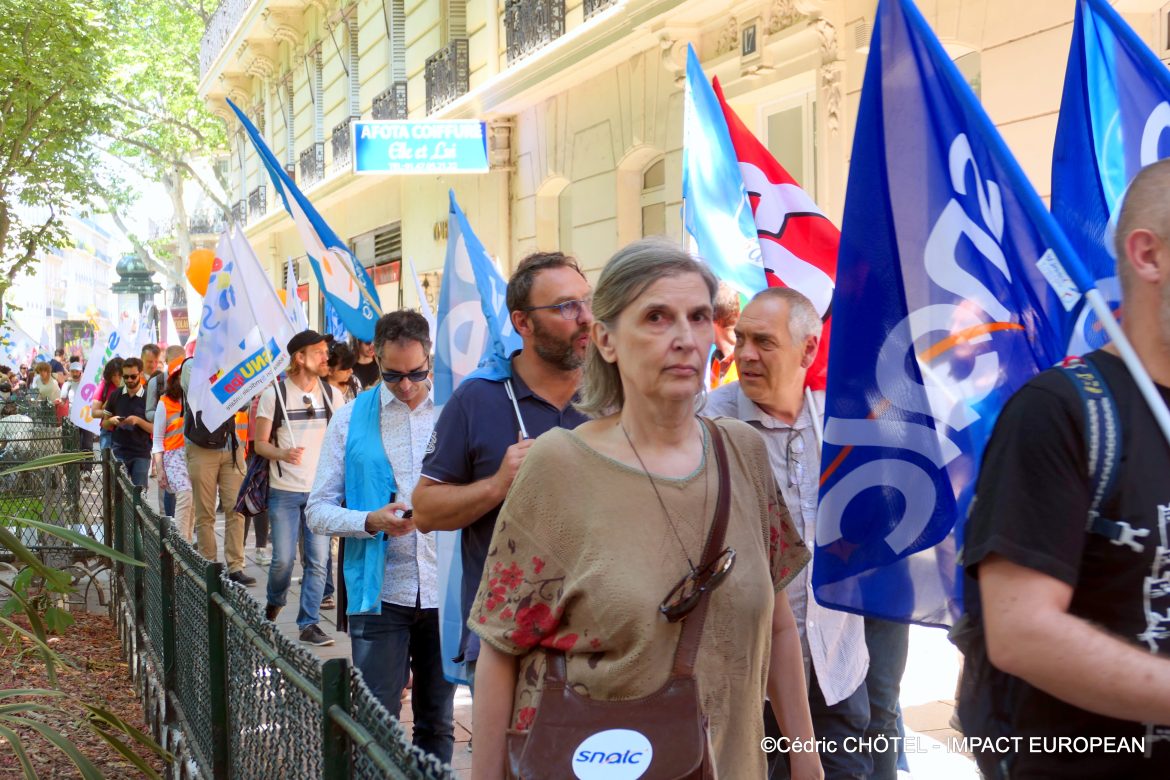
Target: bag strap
(1103, 440)
(692, 632)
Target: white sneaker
(263, 557)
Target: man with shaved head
(1067, 551)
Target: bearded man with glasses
(290, 428)
(488, 425)
(369, 466)
(776, 339)
(132, 431)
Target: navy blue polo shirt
(474, 431)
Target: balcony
(311, 165)
(391, 104)
(219, 31)
(342, 143)
(208, 223)
(447, 74)
(597, 6)
(240, 212)
(257, 202)
(530, 25)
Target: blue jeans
(168, 503)
(286, 514)
(386, 648)
(138, 469)
(846, 718)
(105, 439)
(888, 644)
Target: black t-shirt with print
(1031, 507)
(367, 373)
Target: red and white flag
(798, 242)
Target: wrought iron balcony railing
(312, 165)
(207, 223)
(257, 202)
(595, 6)
(531, 25)
(391, 103)
(342, 143)
(240, 212)
(219, 31)
(447, 74)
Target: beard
(557, 352)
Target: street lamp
(135, 279)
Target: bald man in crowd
(1067, 552)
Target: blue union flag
(954, 287)
(1114, 118)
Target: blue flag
(954, 287)
(342, 278)
(1114, 118)
(474, 337)
(474, 329)
(716, 211)
(334, 325)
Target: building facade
(584, 105)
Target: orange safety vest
(173, 433)
(242, 426)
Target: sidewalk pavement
(928, 687)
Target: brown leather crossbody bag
(662, 736)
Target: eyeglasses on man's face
(129, 377)
(394, 377)
(569, 310)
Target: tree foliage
(164, 127)
(54, 71)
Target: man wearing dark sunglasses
(290, 429)
(369, 466)
(132, 431)
(488, 425)
(776, 339)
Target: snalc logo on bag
(615, 754)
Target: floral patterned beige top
(582, 556)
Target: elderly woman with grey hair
(603, 521)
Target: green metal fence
(224, 690)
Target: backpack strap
(1103, 442)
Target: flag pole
(268, 352)
(1141, 377)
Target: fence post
(168, 608)
(113, 491)
(108, 500)
(217, 671)
(139, 599)
(335, 743)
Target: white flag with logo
(243, 334)
(107, 345)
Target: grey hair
(803, 320)
(625, 277)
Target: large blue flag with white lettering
(716, 209)
(1114, 118)
(474, 337)
(343, 279)
(474, 329)
(954, 287)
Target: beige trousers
(185, 513)
(210, 469)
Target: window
(790, 132)
(653, 200)
(970, 67)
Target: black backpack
(197, 433)
(988, 697)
